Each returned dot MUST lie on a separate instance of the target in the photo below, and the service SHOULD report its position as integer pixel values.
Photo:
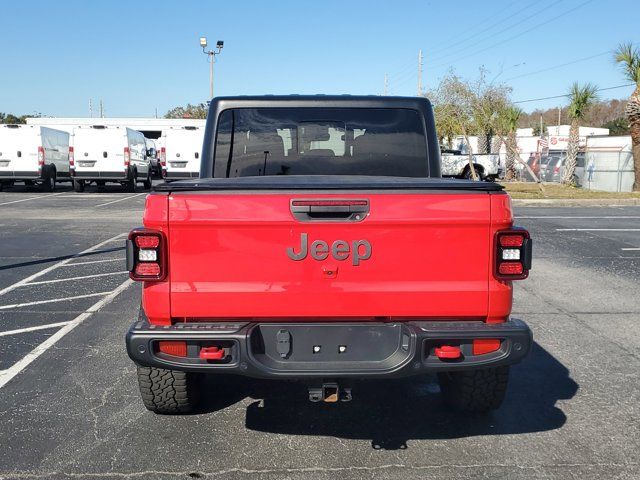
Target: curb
(575, 202)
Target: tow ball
(329, 393)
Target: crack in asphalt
(192, 474)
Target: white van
(33, 154)
(180, 152)
(100, 154)
(152, 154)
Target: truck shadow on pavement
(389, 413)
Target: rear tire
(474, 391)
(130, 185)
(147, 183)
(168, 392)
(49, 180)
(78, 186)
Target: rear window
(314, 141)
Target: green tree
(11, 118)
(190, 111)
(628, 56)
(509, 119)
(581, 97)
(619, 126)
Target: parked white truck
(34, 155)
(456, 164)
(100, 154)
(180, 152)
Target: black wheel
(469, 176)
(147, 183)
(49, 180)
(168, 391)
(474, 390)
(130, 185)
(78, 185)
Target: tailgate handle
(309, 210)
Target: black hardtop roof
(320, 101)
(327, 182)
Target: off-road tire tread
(168, 391)
(475, 391)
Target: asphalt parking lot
(69, 404)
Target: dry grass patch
(524, 190)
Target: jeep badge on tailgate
(340, 250)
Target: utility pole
(559, 111)
(541, 128)
(90, 109)
(101, 110)
(420, 72)
(385, 92)
(211, 54)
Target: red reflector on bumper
(147, 269)
(175, 348)
(485, 345)
(448, 352)
(510, 268)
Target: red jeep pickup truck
(321, 244)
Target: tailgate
(252, 255)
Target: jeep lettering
(340, 250)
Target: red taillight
(510, 268)
(72, 158)
(512, 254)
(485, 345)
(163, 161)
(127, 156)
(40, 158)
(511, 240)
(147, 241)
(146, 255)
(175, 348)
(556, 169)
(147, 269)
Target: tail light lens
(146, 255)
(127, 157)
(512, 254)
(163, 161)
(40, 158)
(175, 348)
(72, 158)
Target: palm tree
(510, 118)
(629, 57)
(581, 97)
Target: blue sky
(139, 56)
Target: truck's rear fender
(156, 296)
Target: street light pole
(211, 55)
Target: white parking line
(94, 261)
(597, 229)
(53, 300)
(32, 329)
(57, 265)
(32, 198)
(8, 374)
(120, 200)
(634, 249)
(627, 217)
(91, 195)
(58, 280)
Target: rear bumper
(172, 175)
(285, 350)
(89, 175)
(17, 175)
